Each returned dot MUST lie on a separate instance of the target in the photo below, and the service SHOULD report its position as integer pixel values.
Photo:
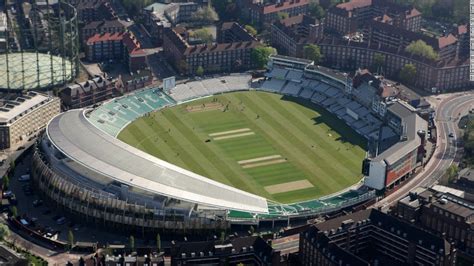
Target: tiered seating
(273, 85)
(318, 98)
(294, 75)
(291, 88)
(182, 92)
(306, 93)
(278, 73)
(199, 88)
(112, 116)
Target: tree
(14, 211)
(205, 15)
(251, 30)
(379, 61)
(420, 48)
(4, 231)
(259, 55)
(12, 166)
(200, 71)
(132, 242)
(316, 10)
(468, 140)
(452, 172)
(408, 74)
(70, 239)
(282, 15)
(312, 52)
(182, 66)
(5, 182)
(252, 230)
(135, 6)
(226, 9)
(203, 34)
(158, 242)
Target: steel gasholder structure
(42, 45)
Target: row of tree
(468, 139)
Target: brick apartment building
(87, 93)
(118, 47)
(446, 75)
(215, 57)
(443, 213)
(383, 31)
(251, 250)
(94, 10)
(101, 27)
(159, 16)
(264, 14)
(370, 237)
(290, 35)
(348, 17)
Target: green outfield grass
(316, 145)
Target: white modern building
(25, 116)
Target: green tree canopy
(452, 172)
(205, 15)
(469, 142)
(203, 34)
(379, 61)
(70, 239)
(14, 211)
(135, 6)
(5, 182)
(312, 52)
(316, 10)
(251, 29)
(283, 15)
(200, 71)
(227, 9)
(158, 242)
(259, 55)
(408, 74)
(131, 240)
(4, 231)
(422, 49)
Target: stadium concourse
(125, 168)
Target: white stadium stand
(75, 136)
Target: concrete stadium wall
(110, 212)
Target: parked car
(61, 220)
(451, 135)
(7, 194)
(37, 203)
(24, 178)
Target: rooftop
(80, 140)
(21, 105)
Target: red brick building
(290, 35)
(216, 57)
(348, 17)
(264, 14)
(118, 47)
